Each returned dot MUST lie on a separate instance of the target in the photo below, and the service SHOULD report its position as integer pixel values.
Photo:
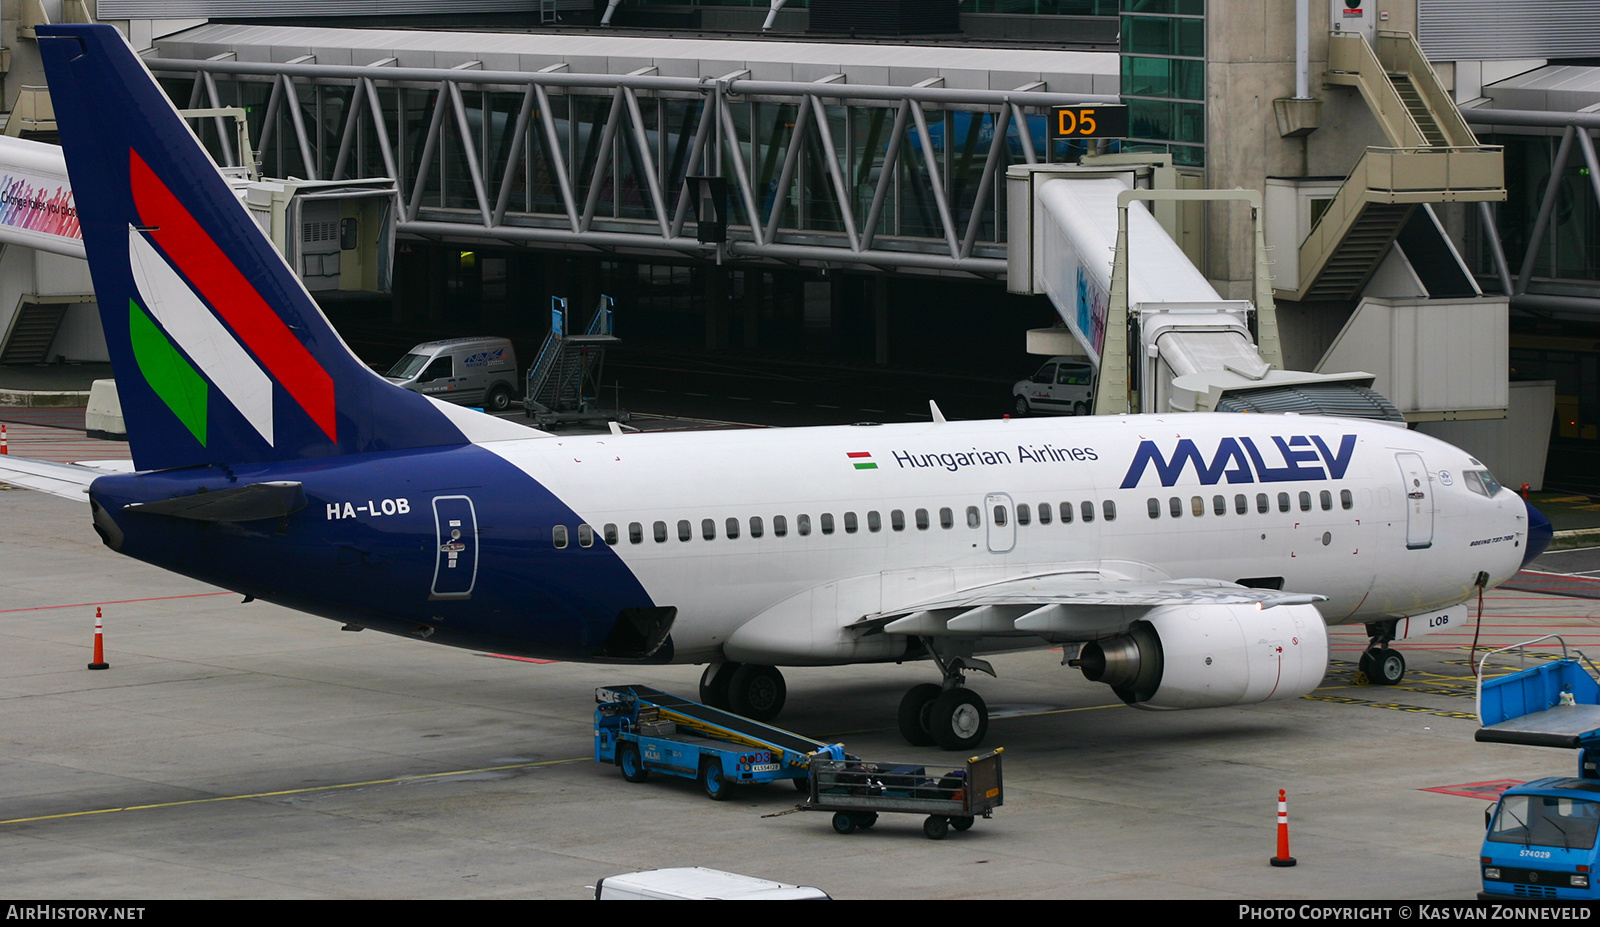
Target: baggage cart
(857, 791)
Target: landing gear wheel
(936, 826)
(711, 780)
(757, 692)
(714, 684)
(958, 719)
(962, 823)
(632, 767)
(1386, 667)
(914, 713)
(1022, 407)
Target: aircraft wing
(1064, 606)
(69, 481)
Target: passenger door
(1001, 516)
(1418, 495)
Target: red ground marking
(502, 656)
(1488, 791)
(154, 598)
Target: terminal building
(1431, 204)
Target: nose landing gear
(1383, 665)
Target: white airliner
(1188, 560)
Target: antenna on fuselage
(938, 417)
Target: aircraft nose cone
(1539, 533)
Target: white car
(1063, 386)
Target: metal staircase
(564, 382)
(1435, 159)
(33, 331)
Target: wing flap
(1063, 606)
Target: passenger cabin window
(1197, 505)
(755, 526)
(636, 533)
(1219, 504)
(1263, 504)
(1326, 498)
(874, 521)
(827, 523)
(1241, 505)
(947, 518)
(1108, 509)
(585, 536)
(780, 526)
(1024, 514)
(1044, 513)
(850, 524)
(558, 537)
(922, 519)
(1087, 509)
(974, 519)
(611, 534)
(685, 530)
(1175, 506)
(1305, 501)
(731, 526)
(1066, 513)
(1345, 499)
(660, 529)
(802, 524)
(897, 520)
(1283, 502)
(1155, 507)
(1000, 516)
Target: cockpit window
(1482, 482)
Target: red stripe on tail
(222, 285)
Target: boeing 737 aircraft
(1187, 561)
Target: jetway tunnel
(1159, 335)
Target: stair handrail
(1349, 54)
(1399, 51)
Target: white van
(700, 884)
(1063, 386)
(469, 371)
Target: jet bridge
(1159, 335)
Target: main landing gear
(947, 714)
(1384, 665)
(748, 689)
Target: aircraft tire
(632, 767)
(757, 692)
(914, 714)
(958, 719)
(714, 684)
(1388, 667)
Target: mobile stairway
(564, 382)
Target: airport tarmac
(247, 751)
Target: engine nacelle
(1210, 656)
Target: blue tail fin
(221, 357)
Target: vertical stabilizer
(221, 357)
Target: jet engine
(1210, 656)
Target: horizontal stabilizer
(244, 503)
(69, 481)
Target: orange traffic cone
(1283, 858)
(99, 644)
(3, 448)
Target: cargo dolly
(857, 791)
(643, 730)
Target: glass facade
(860, 137)
(1164, 77)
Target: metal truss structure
(885, 177)
(1575, 128)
